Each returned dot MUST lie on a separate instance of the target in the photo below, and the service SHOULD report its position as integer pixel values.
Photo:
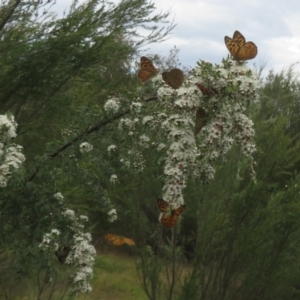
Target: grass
(115, 278)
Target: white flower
(112, 105)
(8, 126)
(112, 148)
(83, 218)
(112, 215)
(126, 162)
(59, 196)
(147, 119)
(69, 213)
(11, 156)
(161, 146)
(55, 231)
(144, 141)
(113, 178)
(86, 147)
(126, 123)
(136, 107)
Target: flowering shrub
(11, 156)
(82, 254)
(222, 92)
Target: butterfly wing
(118, 240)
(200, 120)
(178, 211)
(170, 220)
(231, 45)
(147, 69)
(129, 241)
(238, 48)
(162, 205)
(174, 78)
(246, 52)
(239, 38)
(114, 239)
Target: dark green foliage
(241, 238)
(55, 76)
(248, 233)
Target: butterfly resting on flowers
(238, 48)
(169, 217)
(173, 78)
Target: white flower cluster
(86, 147)
(126, 123)
(50, 240)
(112, 105)
(82, 257)
(11, 156)
(125, 162)
(147, 120)
(111, 148)
(144, 141)
(113, 178)
(82, 253)
(112, 215)
(59, 196)
(136, 107)
(222, 92)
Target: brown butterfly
(169, 220)
(238, 48)
(119, 240)
(206, 91)
(62, 253)
(201, 120)
(147, 69)
(174, 78)
(162, 205)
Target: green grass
(115, 278)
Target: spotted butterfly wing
(162, 205)
(238, 48)
(248, 51)
(147, 70)
(239, 38)
(170, 220)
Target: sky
(273, 25)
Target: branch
(2, 24)
(87, 132)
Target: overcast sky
(273, 25)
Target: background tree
(55, 76)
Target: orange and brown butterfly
(174, 78)
(201, 120)
(147, 70)
(238, 48)
(119, 240)
(169, 219)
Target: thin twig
(85, 133)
